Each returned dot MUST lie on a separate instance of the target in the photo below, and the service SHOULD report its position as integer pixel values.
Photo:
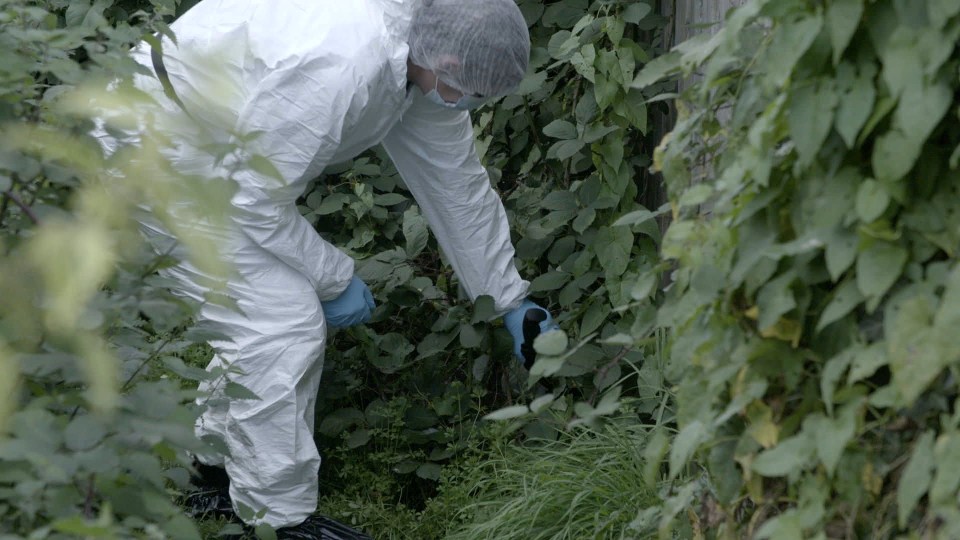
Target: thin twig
(24, 207)
(607, 367)
(88, 500)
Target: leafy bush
(569, 155)
(92, 432)
(813, 310)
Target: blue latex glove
(353, 306)
(525, 323)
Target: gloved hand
(353, 306)
(525, 323)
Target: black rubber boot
(320, 528)
(212, 493)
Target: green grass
(587, 485)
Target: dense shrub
(814, 305)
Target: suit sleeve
(433, 149)
(300, 122)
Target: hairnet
(479, 47)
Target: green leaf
(657, 69)
(339, 420)
(867, 361)
(856, 104)
(508, 413)
(843, 18)
(894, 155)
(832, 372)
(550, 281)
(685, 444)
(810, 117)
(551, 343)
(841, 251)
(595, 316)
(564, 149)
(358, 438)
(916, 478)
(560, 129)
(265, 167)
(878, 268)
(83, 433)
(237, 391)
(833, 434)
(845, 299)
(613, 246)
(484, 309)
(414, 231)
(789, 45)
(918, 350)
(429, 471)
(947, 480)
(469, 336)
(791, 455)
(775, 299)
(635, 12)
(922, 106)
(872, 200)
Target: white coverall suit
(324, 81)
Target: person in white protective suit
(323, 81)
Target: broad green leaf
(636, 11)
(843, 18)
(941, 11)
(551, 343)
(595, 316)
(878, 268)
(238, 391)
(339, 420)
(685, 444)
(541, 403)
(872, 200)
(788, 46)
(388, 199)
(867, 361)
(83, 432)
(774, 300)
(484, 309)
(810, 116)
(846, 297)
(856, 104)
(832, 372)
(918, 351)
(564, 149)
(358, 438)
(841, 251)
(550, 281)
(265, 167)
(429, 471)
(613, 246)
(562, 44)
(469, 336)
(414, 231)
(790, 456)
(584, 219)
(508, 413)
(560, 129)
(922, 107)
(946, 453)
(559, 200)
(915, 479)
(833, 434)
(657, 69)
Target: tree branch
(24, 207)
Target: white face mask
(465, 103)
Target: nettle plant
(569, 154)
(816, 293)
(95, 424)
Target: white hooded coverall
(323, 81)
